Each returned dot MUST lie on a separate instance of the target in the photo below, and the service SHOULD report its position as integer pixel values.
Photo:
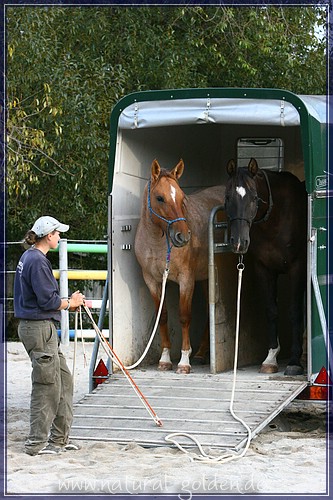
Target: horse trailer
(206, 127)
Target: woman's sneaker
(70, 446)
(50, 449)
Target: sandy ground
(288, 458)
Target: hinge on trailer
(282, 104)
(136, 112)
(206, 112)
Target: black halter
(270, 201)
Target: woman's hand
(76, 300)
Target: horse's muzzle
(239, 247)
(179, 239)
(239, 235)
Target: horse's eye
(160, 199)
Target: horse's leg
(268, 286)
(186, 288)
(165, 362)
(297, 297)
(155, 291)
(200, 356)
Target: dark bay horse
(183, 220)
(267, 214)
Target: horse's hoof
(164, 367)
(293, 370)
(198, 360)
(268, 369)
(183, 369)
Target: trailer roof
(170, 108)
(234, 106)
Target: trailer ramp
(196, 404)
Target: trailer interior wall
(205, 149)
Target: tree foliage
(68, 66)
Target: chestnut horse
(166, 210)
(271, 209)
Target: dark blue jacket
(36, 291)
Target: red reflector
(322, 377)
(314, 392)
(101, 373)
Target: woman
(37, 304)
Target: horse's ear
(231, 167)
(177, 172)
(155, 170)
(253, 167)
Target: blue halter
(169, 222)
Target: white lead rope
(228, 456)
(78, 313)
(75, 344)
(165, 277)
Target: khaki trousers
(51, 407)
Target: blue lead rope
(169, 247)
(169, 222)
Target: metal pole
(212, 249)
(309, 290)
(86, 248)
(212, 291)
(63, 285)
(97, 341)
(107, 295)
(110, 275)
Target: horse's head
(241, 203)
(166, 203)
